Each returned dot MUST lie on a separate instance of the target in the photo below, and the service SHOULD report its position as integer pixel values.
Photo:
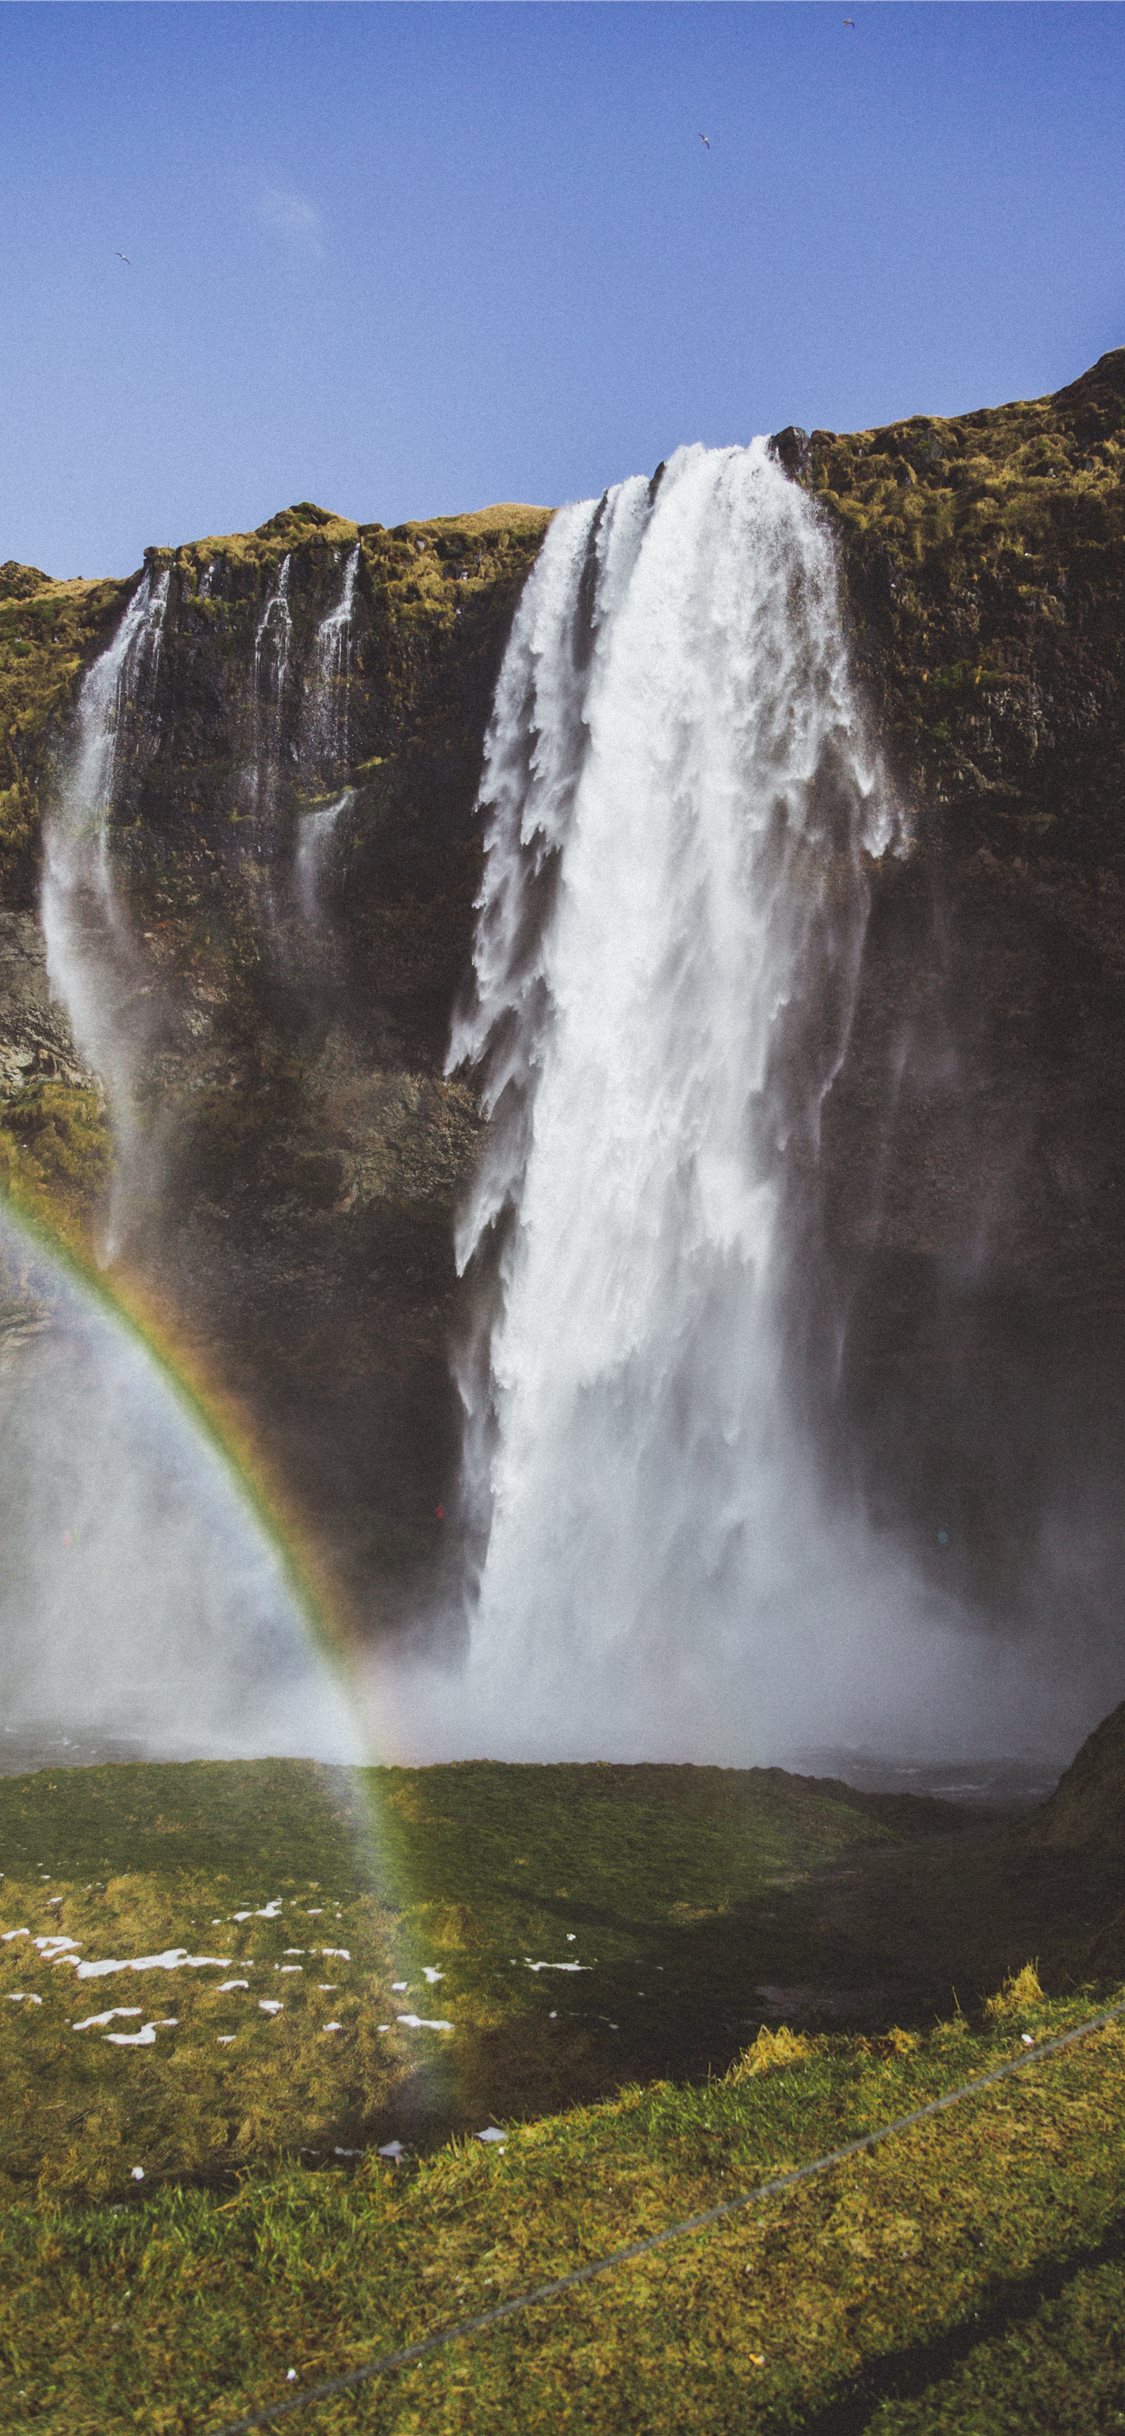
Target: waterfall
(324, 744)
(94, 962)
(273, 643)
(316, 833)
(326, 716)
(682, 809)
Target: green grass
(678, 1890)
(939, 2257)
(957, 2277)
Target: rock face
(303, 939)
(296, 1004)
(976, 1192)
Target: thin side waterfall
(94, 963)
(316, 836)
(324, 744)
(682, 810)
(326, 722)
(273, 643)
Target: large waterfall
(682, 807)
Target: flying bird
(850, 21)
(705, 139)
(123, 257)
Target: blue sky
(405, 260)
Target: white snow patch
(21, 1997)
(97, 2021)
(557, 1966)
(269, 2004)
(176, 1958)
(225, 1985)
(416, 2021)
(431, 1975)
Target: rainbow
(217, 1422)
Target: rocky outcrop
(974, 1151)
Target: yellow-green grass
(974, 2259)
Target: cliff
(974, 1168)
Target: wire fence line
(388, 2363)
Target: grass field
(193, 2214)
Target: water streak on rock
(95, 962)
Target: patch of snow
(492, 2134)
(138, 2173)
(269, 2004)
(557, 1966)
(335, 1953)
(268, 1911)
(283, 1967)
(431, 1975)
(392, 2149)
(176, 1958)
(97, 2021)
(225, 1985)
(331, 2026)
(8, 1935)
(227, 2039)
(415, 2021)
(52, 1947)
(145, 2037)
(21, 1997)
(399, 1987)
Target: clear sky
(405, 260)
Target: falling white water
(327, 682)
(273, 643)
(682, 811)
(94, 962)
(324, 745)
(316, 834)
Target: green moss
(56, 1156)
(47, 631)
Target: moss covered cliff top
(1006, 477)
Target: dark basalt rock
(791, 448)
